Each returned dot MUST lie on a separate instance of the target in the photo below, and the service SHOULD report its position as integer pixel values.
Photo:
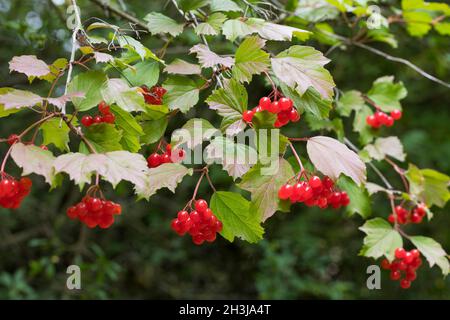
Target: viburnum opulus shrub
(110, 123)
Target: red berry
(421, 210)
(87, 121)
(400, 253)
(408, 258)
(72, 213)
(395, 275)
(391, 218)
(373, 121)
(285, 104)
(109, 118)
(154, 160)
(274, 107)
(327, 182)
(385, 264)
(198, 240)
(405, 284)
(381, 117)
(415, 218)
(166, 158)
(195, 217)
(315, 182)
(285, 192)
(183, 215)
(264, 103)
(94, 204)
(13, 139)
(415, 253)
(389, 121)
(103, 108)
(98, 119)
(201, 205)
(247, 116)
(345, 200)
(396, 114)
(257, 109)
(294, 116)
(411, 275)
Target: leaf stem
(302, 169)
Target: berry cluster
(283, 108)
(380, 118)
(314, 192)
(201, 223)
(156, 159)
(153, 95)
(13, 191)
(404, 216)
(95, 212)
(105, 116)
(406, 263)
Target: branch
(78, 27)
(122, 14)
(389, 57)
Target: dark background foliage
(306, 254)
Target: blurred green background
(306, 254)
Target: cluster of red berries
(201, 223)
(95, 212)
(13, 191)
(380, 118)
(105, 116)
(13, 138)
(314, 192)
(283, 108)
(406, 263)
(404, 216)
(156, 159)
(154, 95)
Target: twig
(78, 27)
(298, 158)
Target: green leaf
(311, 102)
(193, 133)
(167, 175)
(182, 93)
(381, 239)
(117, 91)
(301, 67)
(359, 197)
(159, 23)
(189, 5)
(433, 251)
(236, 28)
(33, 159)
(56, 132)
(212, 25)
(264, 120)
(417, 23)
(264, 183)
(55, 68)
(230, 102)
(224, 5)
(88, 83)
(179, 66)
(136, 47)
(386, 94)
(350, 101)
(104, 137)
(389, 146)
(250, 59)
(366, 134)
(130, 128)
(3, 112)
(235, 158)
(428, 185)
(336, 125)
(153, 130)
(143, 73)
(233, 211)
(443, 28)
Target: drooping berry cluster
(405, 264)
(153, 95)
(380, 118)
(95, 212)
(200, 223)
(404, 216)
(105, 116)
(168, 156)
(13, 191)
(314, 192)
(283, 108)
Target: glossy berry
(294, 116)
(315, 182)
(404, 267)
(285, 104)
(395, 275)
(13, 138)
(103, 108)
(247, 116)
(109, 118)
(201, 205)
(264, 103)
(396, 114)
(405, 284)
(400, 253)
(12, 192)
(285, 192)
(169, 156)
(97, 119)
(87, 121)
(154, 160)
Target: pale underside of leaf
(29, 65)
(209, 59)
